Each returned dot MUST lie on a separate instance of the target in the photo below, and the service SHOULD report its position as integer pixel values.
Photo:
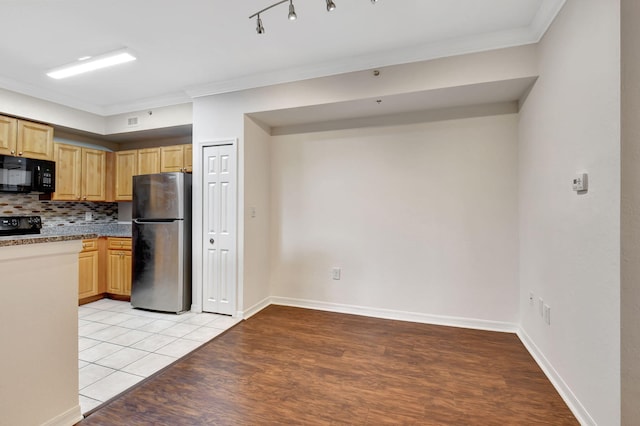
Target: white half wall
(420, 218)
(569, 242)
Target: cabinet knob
(20, 153)
(84, 198)
(78, 197)
(12, 152)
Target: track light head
(330, 5)
(259, 27)
(292, 11)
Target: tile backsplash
(57, 213)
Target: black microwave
(24, 175)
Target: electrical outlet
(531, 298)
(88, 216)
(335, 273)
(541, 307)
(547, 314)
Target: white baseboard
(563, 389)
(68, 418)
(449, 321)
(255, 308)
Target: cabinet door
(188, 158)
(172, 158)
(88, 274)
(35, 140)
(114, 272)
(126, 273)
(126, 165)
(148, 161)
(94, 182)
(8, 135)
(68, 160)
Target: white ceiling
(198, 47)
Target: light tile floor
(120, 346)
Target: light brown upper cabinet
(148, 161)
(126, 165)
(25, 139)
(80, 173)
(188, 158)
(176, 158)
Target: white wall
(630, 235)
(19, 105)
(421, 218)
(221, 117)
(569, 243)
(152, 118)
(256, 216)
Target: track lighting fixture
(259, 27)
(292, 12)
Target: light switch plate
(580, 182)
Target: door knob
(211, 240)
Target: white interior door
(219, 227)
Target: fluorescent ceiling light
(91, 63)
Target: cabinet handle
(12, 152)
(77, 197)
(84, 198)
(20, 153)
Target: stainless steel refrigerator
(161, 266)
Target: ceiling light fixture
(259, 27)
(292, 12)
(91, 63)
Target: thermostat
(580, 182)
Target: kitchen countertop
(20, 240)
(102, 230)
(49, 234)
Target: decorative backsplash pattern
(57, 213)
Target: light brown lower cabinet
(88, 271)
(119, 266)
(104, 269)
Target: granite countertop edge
(52, 234)
(39, 238)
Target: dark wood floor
(304, 367)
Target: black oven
(24, 175)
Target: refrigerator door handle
(139, 221)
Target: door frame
(198, 219)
